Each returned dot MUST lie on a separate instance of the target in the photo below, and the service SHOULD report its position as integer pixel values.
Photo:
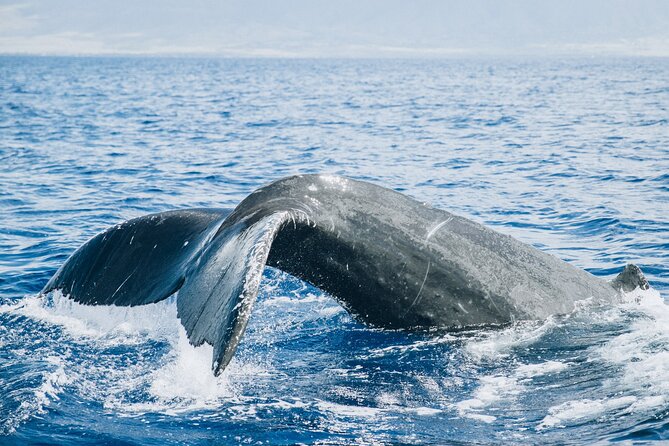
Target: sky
(336, 28)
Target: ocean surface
(569, 155)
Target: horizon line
(417, 56)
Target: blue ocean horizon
(569, 155)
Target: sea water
(569, 155)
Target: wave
(604, 363)
(586, 370)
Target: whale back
(390, 260)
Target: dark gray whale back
(389, 260)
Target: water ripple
(568, 155)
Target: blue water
(569, 155)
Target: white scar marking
(417, 298)
(436, 228)
(121, 285)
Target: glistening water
(569, 155)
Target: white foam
(186, 381)
(48, 391)
(497, 344)
(642, 351)
(53, 383)
(424, 411)
(581, 411)
(491, 390)
(345, 410)
(500, 388)
(111, 323)
(387, 399)
(414, 346)
(533, 370)
(349, 411)
(181, 380)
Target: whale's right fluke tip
(630, 279)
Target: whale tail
(630, 279)
(391, 261)
(215, 265)
(140, 261)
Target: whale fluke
(140, 261)
(390, 260)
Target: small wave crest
(615, 359)
(111, 324)
(132, 360)
(599, 362)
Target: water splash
(553, 152)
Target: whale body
(390, 260)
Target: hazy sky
(336, 28)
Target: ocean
(570, 155)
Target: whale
(391, 261)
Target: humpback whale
(390, 260)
